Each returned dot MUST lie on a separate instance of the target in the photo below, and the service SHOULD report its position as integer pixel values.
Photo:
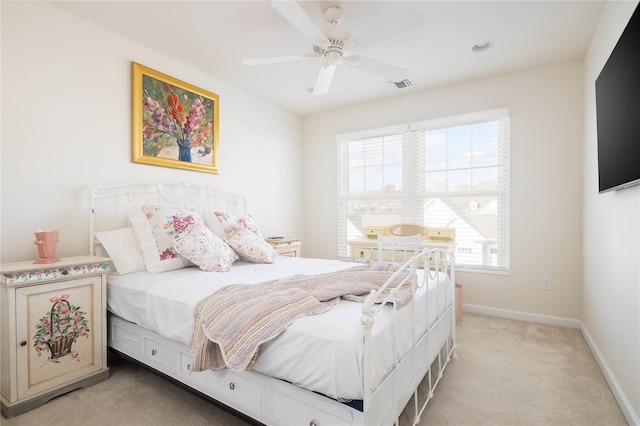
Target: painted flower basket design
(58, 329)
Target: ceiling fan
(335, 45)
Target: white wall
(611, 251)
(66, 126)
(546, 206)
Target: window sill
(483, 270)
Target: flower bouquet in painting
(59, 328)
(177, 124)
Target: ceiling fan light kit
(335, 45)
(333, 57)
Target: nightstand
(286, 246)
(54, 336)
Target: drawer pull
(314, 423)
(153, 352)
(23, 343)
(361, 257)
(232, 385)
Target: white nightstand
(286, 246)
(54, 337)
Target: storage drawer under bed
(256, 395)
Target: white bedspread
(322, 353)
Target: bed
(350, 360)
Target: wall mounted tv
(618, 112)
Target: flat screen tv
(618, 112)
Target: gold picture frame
(174, 124)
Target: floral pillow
(205, 249)
(156, 227)
(220, 223)
(242, 234)
(251, 246)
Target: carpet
(507, 372)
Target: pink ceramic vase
(46, 242)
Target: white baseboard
(623, 402)
(522, 316)
(625, 406)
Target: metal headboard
(109, 204)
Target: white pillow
(155, 228)
(121, 246)
(205, 249)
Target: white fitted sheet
(321, 353)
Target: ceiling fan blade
(292, 11)
(394, 26)
(277, 59)
(381, 69)
(323, 82)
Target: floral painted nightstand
(53, 329)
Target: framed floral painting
(174, 124)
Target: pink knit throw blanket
(232, 323)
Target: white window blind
(451, 172)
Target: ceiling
(215, 36)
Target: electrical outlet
(546, 283)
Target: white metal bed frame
(263, 398)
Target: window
(451, 172)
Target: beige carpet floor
(507, 373)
